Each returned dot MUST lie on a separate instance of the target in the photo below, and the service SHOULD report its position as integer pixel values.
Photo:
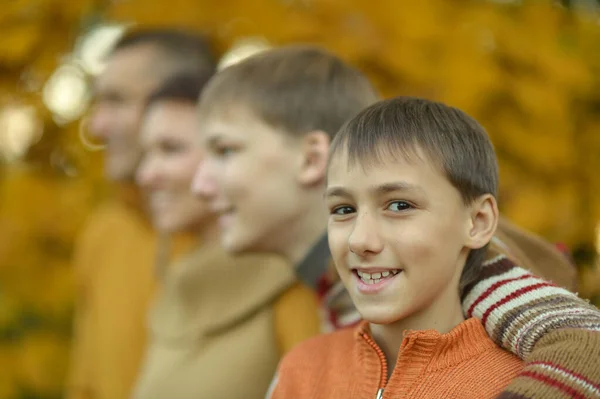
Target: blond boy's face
(397, 232)
(249, 178)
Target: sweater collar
(428, 350)
(209, 291)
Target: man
(114, 256)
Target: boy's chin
(236, 244)
(380, 316)
(231, 244)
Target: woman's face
(171, 153)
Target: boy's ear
(315, 150)
(483, 221)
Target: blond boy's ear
(315, 150)
(483, 221)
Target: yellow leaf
(18, 42)
(42, 362)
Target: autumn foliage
(529, 72)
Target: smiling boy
(411, 195)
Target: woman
(219, 324)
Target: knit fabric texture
(557, 333)
(464, 363)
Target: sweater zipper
(383, 362)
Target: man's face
(171, 152)
(249, 175)
(398, 233)
(121, 93)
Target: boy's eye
(224, 151)
(398, 206)
(342, 210)
(171, 147)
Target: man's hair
(449, 138)
(181, 88)
(179, 52)
(295, 88)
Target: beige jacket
(212, 328)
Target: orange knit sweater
(465, 363)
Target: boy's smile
(398, 233)
(372, 280)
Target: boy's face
(171, 150)
(404, 228)
(249, 178)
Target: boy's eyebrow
(385, 188)
(212, 140)
(396, 186)
(336, 192)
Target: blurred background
(528, 70)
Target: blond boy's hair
(297, 89)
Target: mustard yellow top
(113, 265)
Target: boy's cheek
(338, 245)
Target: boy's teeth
(374, 278)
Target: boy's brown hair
(453, 141)
(185, 88)
(295, 88)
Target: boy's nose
(364, 239)
(203, 185)
(146, 174)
